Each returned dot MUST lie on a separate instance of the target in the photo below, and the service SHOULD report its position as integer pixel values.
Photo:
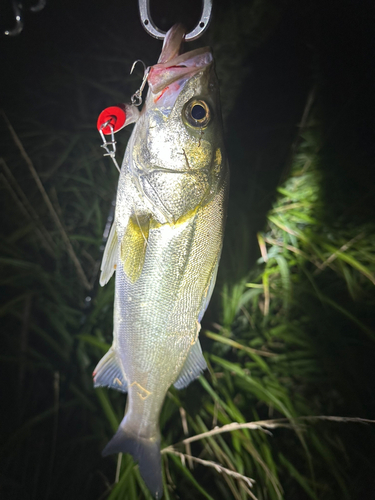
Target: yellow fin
(133, 247)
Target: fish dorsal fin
(108, 373)
(133, 246)
(193, 366)
(109, 261)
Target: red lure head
(114, 117)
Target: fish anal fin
(192, 368)
(109, 261)
(133, 246)
(108, 373)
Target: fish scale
(164, 246)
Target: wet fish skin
(165, 244)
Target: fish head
(178, 152)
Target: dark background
(270, 56)
(268, 59)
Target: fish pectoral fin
(108, 373)
(192, 368)
(110, 256)
(134, 245)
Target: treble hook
(153, 30)
(136, 98)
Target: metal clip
(112, 143)
(153, 30)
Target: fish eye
(197, 113)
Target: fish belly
(158, 314)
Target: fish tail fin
(145, 451)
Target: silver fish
(165, 246)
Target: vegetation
(282, 412)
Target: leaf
(107, 408)
(190, 477)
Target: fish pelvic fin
(110, 256)
(192, 368)
(133, 246)
(108, 373)
(145, 451)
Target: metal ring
(153, 30)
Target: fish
(164, 245)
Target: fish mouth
(173, 66)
